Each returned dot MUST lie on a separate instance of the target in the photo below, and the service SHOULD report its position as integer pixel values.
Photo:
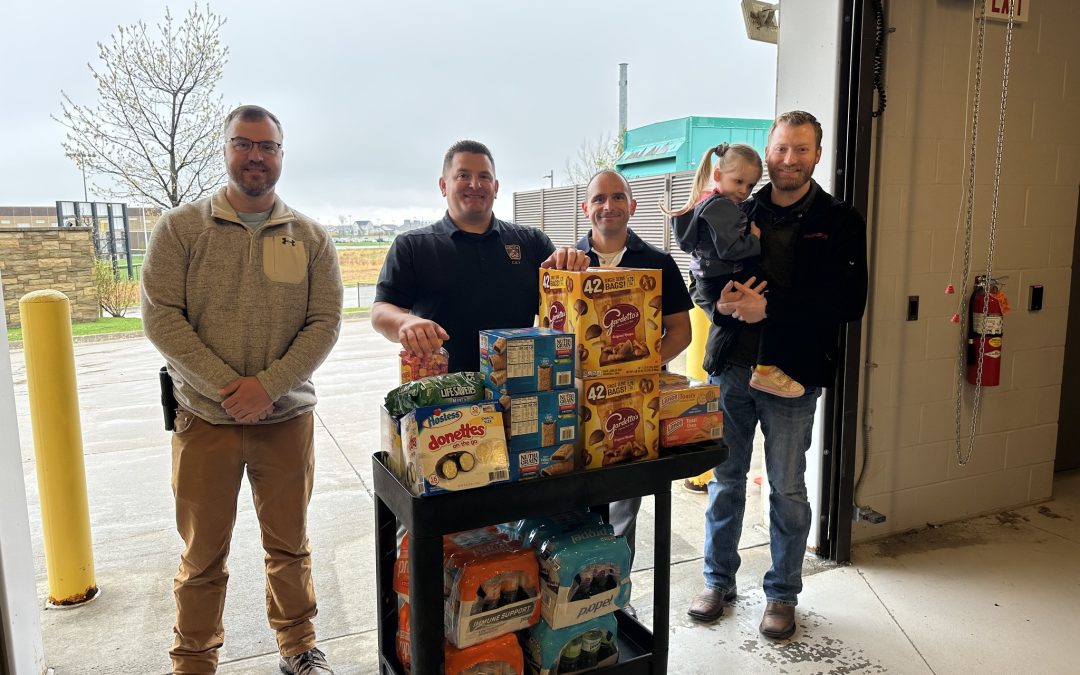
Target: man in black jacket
(813, 261)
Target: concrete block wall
(911, 471)
(34, 259)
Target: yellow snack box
(619, 420)
(681, 396)
(615, 314)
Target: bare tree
(593, 156)
(155, 134)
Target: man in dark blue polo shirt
(442, 284)
(608, 204)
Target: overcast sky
(372, 94)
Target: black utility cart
(429, 518)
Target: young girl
(722, 245)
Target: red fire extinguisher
(985, 311)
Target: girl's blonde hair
(728, 155)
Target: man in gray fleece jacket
(242, 296)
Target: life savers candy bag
(691, 429)
(494, 589)
(435, 390)
(572, 649)
(619, 420)
(584, 573)
(417, 366)
(454, 447)
(615, 314)
(498, 656)
(519, 360)
(681, 395)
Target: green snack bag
(435, 390)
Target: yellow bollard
(695, 353)
(54, 416)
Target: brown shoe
(708, 605)
(778, 622)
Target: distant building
(678, 145)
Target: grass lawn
(106, 325)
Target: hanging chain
(988, 280)
(968, 218)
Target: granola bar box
(520, 360)
(615, 314)
(541, 419)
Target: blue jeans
(787, 425)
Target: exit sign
(999, 9)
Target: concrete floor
(991, 595)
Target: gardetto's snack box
(520, 360)
(454, 447)
(615, 314)
(620, 420)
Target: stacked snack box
(615, 313)
(689, 411)
(530, 372)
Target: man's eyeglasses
(243, 145)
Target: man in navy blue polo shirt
(608, 204)
(442, 284)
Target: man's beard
(790, 181)
(253, 189)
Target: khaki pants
(208, 462)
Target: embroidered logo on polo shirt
(513, 251)
(288, 241)
(816, 235)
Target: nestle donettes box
(454, 447)
(615, 314)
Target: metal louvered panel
(560, 215)
(649, 221)
(528, 208)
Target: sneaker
(311, 662)
(772, 380)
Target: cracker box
(541, 419)
(454, 447)
(619, 420)
(519, 360)
(554, 460)
(681, 395)
(615, 314)
(691, 429)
